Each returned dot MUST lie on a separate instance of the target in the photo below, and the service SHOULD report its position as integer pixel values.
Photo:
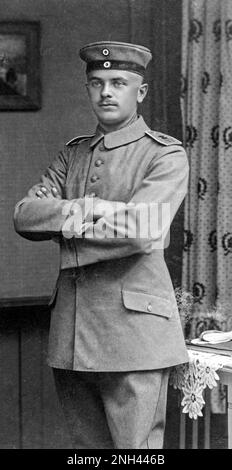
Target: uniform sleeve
(40, 219)
(143, 224)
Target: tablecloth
(192, 379)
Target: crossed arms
(102, 229)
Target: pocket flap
(147, 303)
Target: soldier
(115, 329)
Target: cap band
(116, 65)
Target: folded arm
(40, 218)
(102, 233)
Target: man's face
(114, 95)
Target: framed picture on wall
(19, 66)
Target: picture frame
(20, 66)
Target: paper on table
(213, 337)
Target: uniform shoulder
(163, 139)
(78, 139)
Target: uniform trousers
(114, 410)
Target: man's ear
(142, 91)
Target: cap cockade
(105, 55)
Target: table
(195, 379)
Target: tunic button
(98, 162)
(101, 147)
(94, 178)
(149, 308)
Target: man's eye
(118, 84)
(95, 84)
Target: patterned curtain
(206, 95)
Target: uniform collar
(123, 136)
(97, 137)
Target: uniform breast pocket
(147, 303)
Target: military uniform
(113, 307)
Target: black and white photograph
(116, 230)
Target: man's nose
(106, 90)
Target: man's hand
(44, 192)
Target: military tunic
(113, 307)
